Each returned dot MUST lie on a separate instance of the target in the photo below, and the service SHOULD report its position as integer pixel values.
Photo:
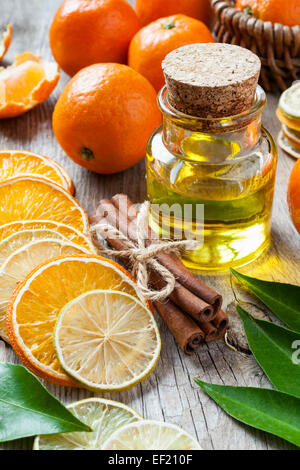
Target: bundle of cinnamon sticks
(192, 312)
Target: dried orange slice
(32, 198)
(22, 261)
(69, 233)
(37, 301)
(292, 123)
(26, 83)
(21, 163)
(5, 41)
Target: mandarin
(152, 43)
(105, 116)
(276, 11)
(293, 195)
(151, 10)
(86, 32)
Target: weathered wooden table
(169, 393)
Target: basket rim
(221, 6)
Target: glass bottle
(213, 180)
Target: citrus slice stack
(35, 227)
(21, 163)
(32, 198)
(38, 300)
(116, 427)
(107, 340)
(103, 416)
(151, 435)
(21, 262)
(288, 113)
(26, 83)
(5, 41)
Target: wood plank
(169, 393)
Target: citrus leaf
(272, 347)
(28, 409)
(264, 409)
(281, 299)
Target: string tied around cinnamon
(143, 257)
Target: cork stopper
(211, 80)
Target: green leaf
(267, 410)
(272, 346)
(282, 299)
(28, 409)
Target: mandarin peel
(26, 83)
(5, 41)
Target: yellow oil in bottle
(235, 188)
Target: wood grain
(169, 393)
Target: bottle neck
(211, 140)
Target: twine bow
(142, 257)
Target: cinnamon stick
(170, 260)
(186, 300)
(182, 303)
(187, 334)
(182, 297)
(185, 331)
(221, 323)
(209, 330)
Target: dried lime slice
(151, 435)
(103, 416)
(289, 102)
(107, 340)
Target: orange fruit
(276, 11)
(26, 83)
(152, 43)
(22, 163)
(32, 198)
(293, 195)
(5, 41)
(64, 231)
(86, 32)
(38, 300)
(151, 10)
(105, 116)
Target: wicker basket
(277, 46)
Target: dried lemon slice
(107, 340)
(103, 416)
(151, 435)
(16, 241)
(66, 231)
